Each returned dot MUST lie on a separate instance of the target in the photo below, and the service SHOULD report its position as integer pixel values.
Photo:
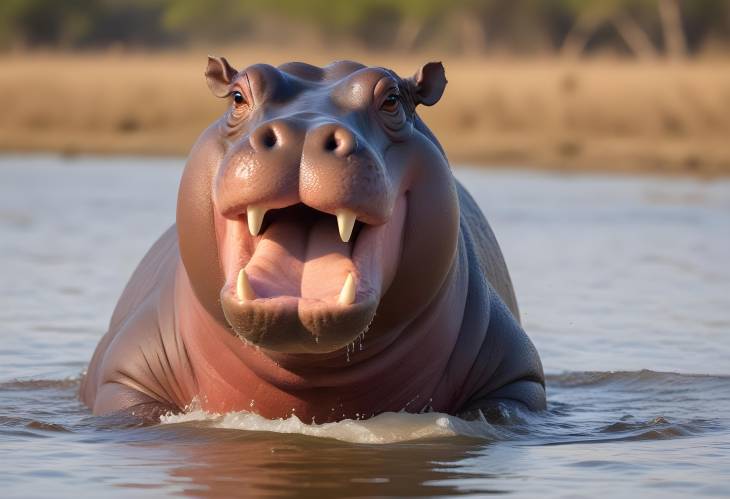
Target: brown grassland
(599, 114)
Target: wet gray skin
(319, 208)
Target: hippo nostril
(340, 142)
(332, 143)
(269, 138)
(264, 138)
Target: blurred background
(620, 265)
(619, 85)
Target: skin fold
(324, 263)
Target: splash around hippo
(325, 263)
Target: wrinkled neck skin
(418, 317)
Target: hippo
(324, 264)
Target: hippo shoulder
(494, 359)
(485, 250)
(132, 363)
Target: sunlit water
(624, 286)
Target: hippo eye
(238, 98)
(390, 104)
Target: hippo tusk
(347, 295)
(345, 223)
(244, 291)
(255, 215)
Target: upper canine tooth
(244, 291)
(345, 222)
(347, 294)
(255, 215)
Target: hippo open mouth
(301, 280)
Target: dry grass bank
(607, 115)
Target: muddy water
(624, 285)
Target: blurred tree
(704, 19)
(674, 38)
(415, 15)
(129, 23)
(32, 23)
(590, 14)
(644, 27)
(212, 20)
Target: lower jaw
(294, 325)
(316, 323)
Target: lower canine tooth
(243, 287)
(347, 295)
(345, 222)
(255, 217)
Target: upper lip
(345, 220)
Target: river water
(623, 283)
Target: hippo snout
(326, 166)
(339, 171)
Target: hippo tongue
(300, 254)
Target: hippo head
(319, 205)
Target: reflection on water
(612, 273)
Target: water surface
(623, 284)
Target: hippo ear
(429, 83)
(219, 75)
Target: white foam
(389, 427)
